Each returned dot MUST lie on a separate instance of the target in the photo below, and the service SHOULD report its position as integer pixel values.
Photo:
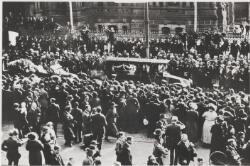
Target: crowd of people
(177, 117)
(14, 22)
(207, 60)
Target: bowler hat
(157, 132)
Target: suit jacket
(11, 147)
(53, 113)
(173, 135)
(98, 123)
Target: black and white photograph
(125, 83)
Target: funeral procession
(122, 82)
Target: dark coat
(218, 138)
(11, 147)
(35, 156)
(78, 116)
(68, 126)
(173, 135)
(57, 160)
(53, 113)
(98, 123)
(125, 157)
(185, 153)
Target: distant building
(164, 16)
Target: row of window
(154, 4)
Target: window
(161, 4)
(82, 4)
(154, 4)
(184, 4)
(191, 4)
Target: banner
(12, 37)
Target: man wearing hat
(11, 146)
(98, 126)
(173, 136)
(77, 114)
(218, 135)
(111, 120)
(68, 124)
(53, 113)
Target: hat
(52, 100)
(32, 135)
(16, 105)
(174, 118)
(121, 134)
(230, 140)
(129, 139)
(56, 147)
(13, 132)
(157, 132)
(193, 105)
(49, 124)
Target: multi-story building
(163, 16)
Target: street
(141, 148)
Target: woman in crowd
(192, 117)
(35, 147)
(210, 117)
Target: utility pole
(71, 16)
(147, 29)
(195, 16)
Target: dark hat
(32, 135)
(157, 132)
(128, 139)
(56, 147)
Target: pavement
(141, 148)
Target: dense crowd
(90, 109)
(228, 67)
(87, 106)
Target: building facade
(164, 16)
